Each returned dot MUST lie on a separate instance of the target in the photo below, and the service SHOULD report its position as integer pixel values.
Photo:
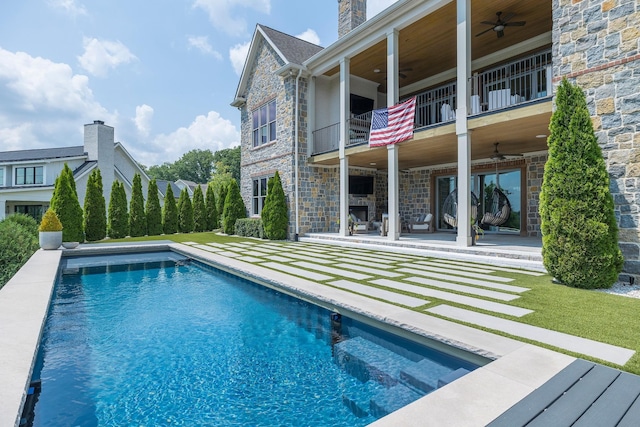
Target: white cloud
(210, 132)
(72, 7)
(13, 137)
(310, 36)
(222, 16)
(144, 114)
(376, 6)
(238, 56)
(38, 84)
(100, 56)
(202, 44)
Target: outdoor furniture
(499, 209)
(421, 224)
(358, 225)
(450, 208)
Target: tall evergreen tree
(118, 220)
(221, 197)
(212, 209)
(153, 212)
(275, 213)
(95, 214)
(66, 169)
(199, 211)
(234, 208)
(137, 219)
(579, 230)
(185, 212)
(169, 213)
(65, 204)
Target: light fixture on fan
(497, 155)
(401, 72)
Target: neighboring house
(162, 188)
(484, 95)
(27, 177)
(190, 186)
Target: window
(35, 211)
(2, 184)
(264, 124)
(259, 195)
(29, 176)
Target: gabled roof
(162, 187)
(86, 166)
(41, 154)
(291, 50)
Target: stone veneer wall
(535, 173)
(596, 44)
(351, 13)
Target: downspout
(296, 154)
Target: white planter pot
(50, 239)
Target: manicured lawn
(608, 318)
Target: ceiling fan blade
(488, 23)
(402, 75)
(508, 17)
(485, 31)
(500, 33)
(515, 24)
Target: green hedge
(250, 227)
(17, 243)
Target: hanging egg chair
(450, 208)
(499, 209)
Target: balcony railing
(504, 86)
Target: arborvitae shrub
(185, 212)
(211, 208)
(579, 230)
(199, 211)
(234, 208)
(137, 218)
(275, 215)
(118, 221)
(170, 213)
(95, 214)
(221, 198)
(153, 211)
(25, 221)
(65, 204)
(50, 221)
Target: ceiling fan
(500, 24)
(401, 72)
(497, 155)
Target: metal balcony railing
(504, 86)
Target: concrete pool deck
(517, 368)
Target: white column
(3, 208)
(393, 90)
(464, 137)
(344, 134)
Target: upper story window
(2, 184)
(31, 175)
(264, 124)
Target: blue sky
(161, 72)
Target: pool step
(392, 399)
(451, 377)
(357, 408)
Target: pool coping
(479, 397)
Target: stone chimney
(99, 145)
(351, 13)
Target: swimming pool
(175, 344)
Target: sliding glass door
(483, 184)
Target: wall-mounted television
(360, 185)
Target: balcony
(508, 85)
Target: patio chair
(358, 225)
(450, 209)
(499, 209)
(421, 224)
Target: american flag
(393, 124)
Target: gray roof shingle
(41, 154)
(294, 49)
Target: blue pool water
(186, 345)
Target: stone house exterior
(484, 81)
(27, 177)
